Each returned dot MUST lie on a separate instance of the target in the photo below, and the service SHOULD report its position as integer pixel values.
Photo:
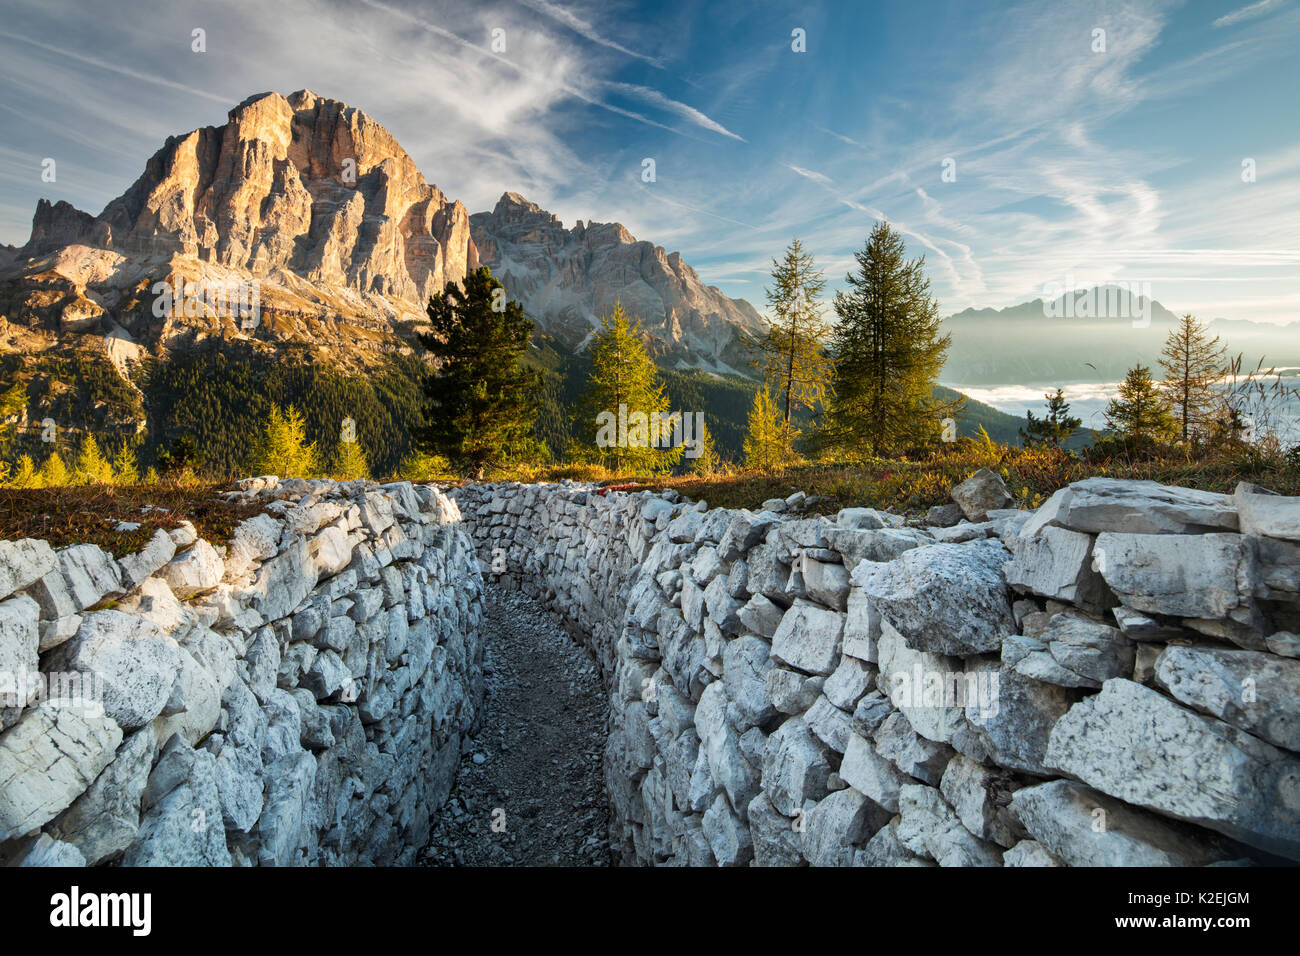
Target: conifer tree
(92, 468)
(422, 467)
(1140, 413)
(622, 411)
(888, 354)
(480, 399)
(350, 461)
(793, 352)
(125, 469)
(1054, 427)
(54, 473)
(1193, 363)
(762, 446)
(25, 475)
(283, 449)
(707, 461)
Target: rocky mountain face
(310, 199)
(568, 278)
(318, 205)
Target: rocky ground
(530, 791)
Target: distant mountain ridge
(1032, 343)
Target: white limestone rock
(134, 664)
(1082, 827)
(761, 616)
(1135, 744)
(22, 562)
(1257, 692)
(947, 598)
(184, 827)
(929, 827)
(1030, 853)
(1130, 506)
(808, 638)
(837, 825)
(729, 838)
(48, 759)
(1056, 563)
(1275, 516)
(1207, 579)
(137, 567)
(981, 493)
(195, 571)
(869, 773)
(103, 821)
(795, 767)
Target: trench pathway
(530, 790)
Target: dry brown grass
(89, 514)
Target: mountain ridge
(319, 205)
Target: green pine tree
(763, 447)
(793, 353)
(480, 400)
(624, 386)
(1054, 427)
(1140, 413)
(888, 354)
(283, 449)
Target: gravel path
(530, 791)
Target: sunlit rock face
(568, 278)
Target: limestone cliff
(568, 278)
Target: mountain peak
(567, 279)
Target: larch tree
(706, 461)
(623, 411)
(480, 399)
(350, 461)
(283, 449)
(763, 450)
(888, 352)
(1193, 363)
(25, 475)
(92, 467)
(54, 473)
(125, 469)
(792, 354)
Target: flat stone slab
(1135, 744)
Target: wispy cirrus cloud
(1248, 12)
(809, 174)
(585, 29)
(654, 98)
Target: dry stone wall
(1110, 680)
(295, 696)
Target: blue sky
(1071, 163)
